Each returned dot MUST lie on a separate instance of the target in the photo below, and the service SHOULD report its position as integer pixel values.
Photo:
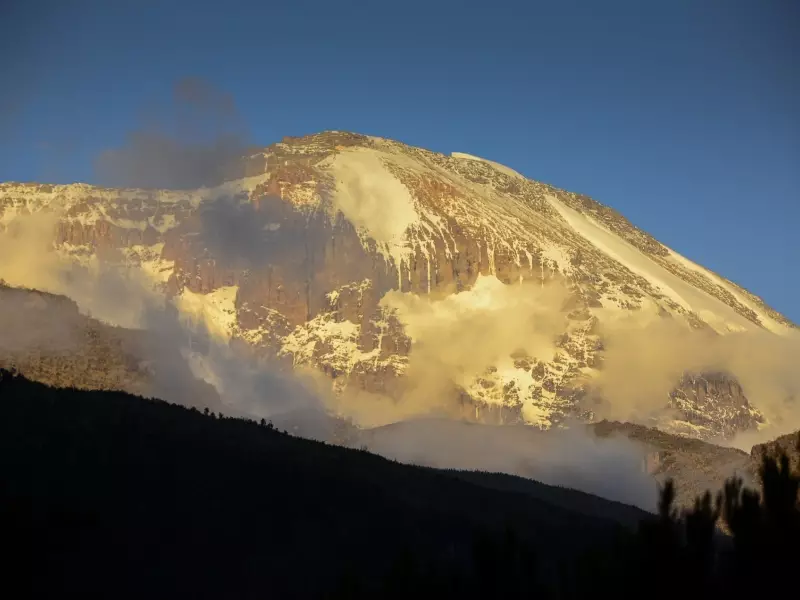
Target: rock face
(714, 403)
(788, 444)
(295, 259)
(695, 466)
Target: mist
(644, 360)
(611, 468)
(457, 337)
(111, 295)
(192, 141)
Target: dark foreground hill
(104, 494)
(108, 494)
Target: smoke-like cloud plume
(193, 141)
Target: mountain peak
(379, 263)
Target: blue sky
(683, 114)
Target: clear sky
(684, 115)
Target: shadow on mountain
(104, 494)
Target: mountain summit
(417, 281)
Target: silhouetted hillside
(573, 500)
(113, 495)
(104, 494)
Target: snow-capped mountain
(353, 254)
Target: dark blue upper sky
(684, 114)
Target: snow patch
(768, 322)
(371, 197)
(555, 255)
(216, 309)
(374, 200)
(662, 280)
(339, 337)
(229, 189)
(148, 259)
(536, 414)
(163, 223)
(333, 344)
(502, 168)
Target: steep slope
(320, 255)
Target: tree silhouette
(765, 527)
(700, 529)
(763, 548)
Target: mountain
(353, 255)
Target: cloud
(200, 95)
(611, 468)
(247, 387)
(250, 387)
(243, 236)
(645, 357)
(30, 260)
(193, 141)
(26, 246)
(456, 337)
